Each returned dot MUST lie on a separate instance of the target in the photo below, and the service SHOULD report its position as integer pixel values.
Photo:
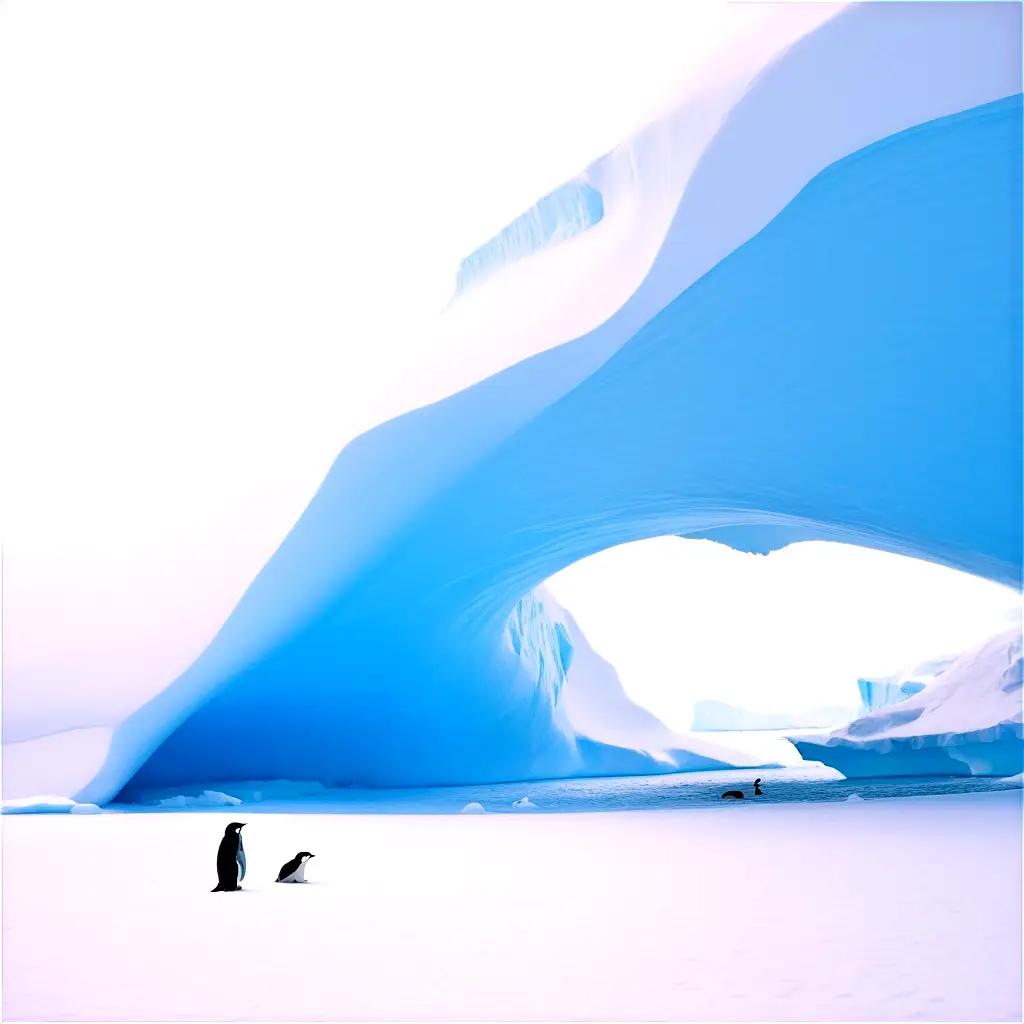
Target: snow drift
(823, 374)
(966, 722)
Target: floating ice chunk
(524, 802)
(39, 805)
(1014, 780)
(208, 798)
(86, 809)
(278, 789)
(854, 796)
(473, 808)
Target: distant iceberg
(718, 716)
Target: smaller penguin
(295, 869)
(757, 788)
(733, 794)
(230, 859)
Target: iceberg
(967, 722)
(823, 292)
(416, 666)
(718, 716)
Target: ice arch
(852, 372)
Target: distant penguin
(757, 788)
(733, 794)
(295, 869)
(230, 859)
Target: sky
(687, 620)
(228, 231)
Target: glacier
(966, 722)
(821, 341)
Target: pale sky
(226, 227)
(685, 620)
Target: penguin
(757, 788)
(733, 794)
(230, 859)
(295, 869)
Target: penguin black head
(234, 828)
(304, 855)
(757, 782)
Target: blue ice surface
(570, 209)
(880, 694)
(851, 373)
(803, 784)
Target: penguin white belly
(240, 859)
(298, 875)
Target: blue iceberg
(821, 340)
(819, 378)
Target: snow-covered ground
(867, 910)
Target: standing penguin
(230, 859)
(295, 869)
